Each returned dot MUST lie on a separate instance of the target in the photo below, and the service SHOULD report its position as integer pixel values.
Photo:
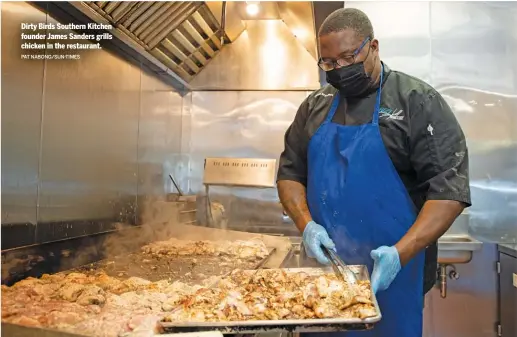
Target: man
(375, 166)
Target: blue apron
(355, 192)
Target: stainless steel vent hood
(178, 39)
(184, 36)
(270, 53)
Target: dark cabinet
(508, 295)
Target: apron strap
(333, 108)
(375, 119)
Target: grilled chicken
(101, 305)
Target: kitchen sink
(453, 249)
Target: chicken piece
(364, 290)
(285, 296)
(271, 314)
(136, 282)
(26, 321)
(322, 286)
(279, 277)
(106, 282)
(310, 290)
(242, 308)
(177, 287)
(259, 308)
(365, 311)
(28, 282)
(59, 319)
(76, 278)
(197, 316)
(298, 309)
(138, 300)
(52, 279)
(310, 295)
(311, 302)
(283, 312)
(45, 290)
(147, 323)
(70, 291)
(299, 278)
(168, 307)
(335, 285)
(117, 301)
(131, 284)
(91, 295)
(325, 310)
(161, 285)
(363, 300)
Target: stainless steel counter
(297, 258)
(509, 249)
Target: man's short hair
(347, 18)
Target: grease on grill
(187, 269)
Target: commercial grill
(89, 254)
(118, 254)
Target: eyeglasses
(342, 61)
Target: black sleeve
(438, 151)
(293, 160)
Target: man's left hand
(386, 267)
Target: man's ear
(375, 45)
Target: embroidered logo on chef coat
(388, 113)
(324, 95)
(430, 129)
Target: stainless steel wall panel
(240, 124)
(89, 142)
(21, 119)
(404, 35)
(458, 60)
(159, 140)
(107, 129)
(182, 171)
(481, 86)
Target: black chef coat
(421, 134)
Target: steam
(161, 218)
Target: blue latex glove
(314, 236)
(386, 267)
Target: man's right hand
(314, 236)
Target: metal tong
(340, 268)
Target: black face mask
(351, 81)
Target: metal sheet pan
(305, 325)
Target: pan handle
(176, 185)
